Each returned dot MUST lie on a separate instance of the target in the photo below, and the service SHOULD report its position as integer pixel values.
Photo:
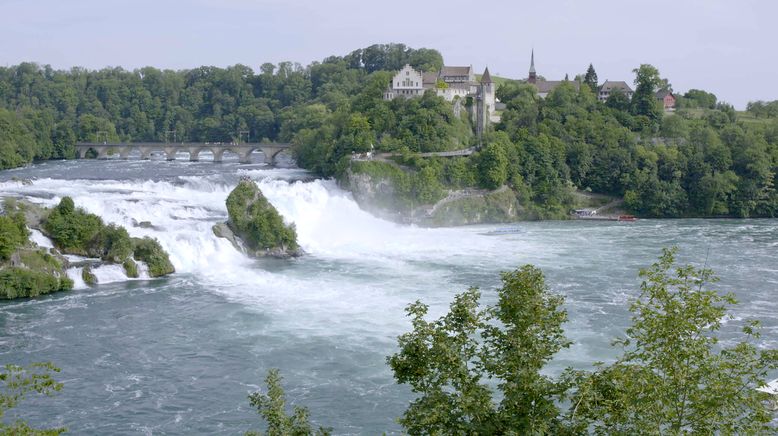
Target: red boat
(628, 218)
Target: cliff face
(255, 226)
(476, 207)
(377, 195)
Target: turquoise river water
(179, 355)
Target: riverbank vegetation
(705, 159)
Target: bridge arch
(145, 149)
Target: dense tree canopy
(590, 79)
(704, 160)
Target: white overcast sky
(726, 47)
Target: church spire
(532, 74)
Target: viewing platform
(123, 149)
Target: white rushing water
(40, 239)
(329, 223)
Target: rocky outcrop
(377, 195)
(475, 207)
(74, 231)
(255, 227)
(25, 269)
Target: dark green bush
(88, 277)
(13, 234)
(114, 244)
(24, 283)
(72, 230)
(75, 231)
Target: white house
(609, 87)
(407, 83)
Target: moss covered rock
(149, 251)
(498, 206)
(258, 224)
(130, 268)
(88, 276)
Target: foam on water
(109, 274)
(78, 279)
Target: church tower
(533, 77)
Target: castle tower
(533, 77)
(488, 92)
(484, 105)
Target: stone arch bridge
(104, 150)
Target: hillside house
(609, 87)
(666, 99)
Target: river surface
(179, 355)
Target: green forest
(705, 159)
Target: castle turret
(533, 77)
(486, 77)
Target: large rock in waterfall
(255, 226)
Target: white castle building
(455, 84)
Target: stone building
(458, 85)
(609, 87)
(407, 83)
